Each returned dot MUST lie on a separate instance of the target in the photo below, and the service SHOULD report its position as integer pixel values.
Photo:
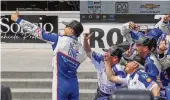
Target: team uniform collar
(72, 36)
(132, 75)
(147, 56)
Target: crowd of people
(144, 66)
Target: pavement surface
(27, 69)
(31, 57)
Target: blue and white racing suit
(152, 67)
(68, 54)
(105, 87)
(139, 80)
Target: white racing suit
(68, 55)
(105, 87)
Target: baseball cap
(77, 26)
(155, 33)
(114, 51)
(137, 58)
(144, 40)
(125, 45)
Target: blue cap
(155, 33)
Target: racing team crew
(145, 66)
(146, 63)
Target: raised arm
(110, 74)
(162, 23)
(34, 30)
(86, 45)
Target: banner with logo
(124, 7)
(105, 34)
(12, 33)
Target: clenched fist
(162, 47)
(87, 36)
(128, 53)
(15, 16)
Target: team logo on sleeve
(148, 80)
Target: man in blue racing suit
(68, 55)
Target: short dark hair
(118, 52)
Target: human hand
(15, 16)
(129, 51)
(87, 36)
(162, 47)
(107, 60)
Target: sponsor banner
(150, 8)
(122, 11)
(124, 7)
(11, 32)
(94, 7)
(105, 34)
(142, 7)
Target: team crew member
(164, 58)
(131, 31)
(163, 22)
(164, 42)
(68, 55)
(144, 46)
(105, 87)
(137, 78)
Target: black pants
(101, 96)
(5, 93)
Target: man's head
(143, 45)
(73, 28)
(134, 63)
(115, 52)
